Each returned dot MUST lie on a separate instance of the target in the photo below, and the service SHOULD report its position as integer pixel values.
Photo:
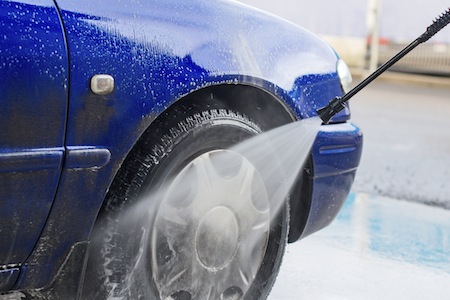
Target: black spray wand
(337, 104)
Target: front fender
(158, 52)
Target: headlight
(344, 75)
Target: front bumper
(335, 157)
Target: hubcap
(217, 238)
(211, 230)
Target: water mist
(219, 209)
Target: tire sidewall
(169, 151)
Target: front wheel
(187, 218)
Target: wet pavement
(406, 151)
(377, 248)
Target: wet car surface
(104, 103)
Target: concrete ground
(406, 141)
(377, 248)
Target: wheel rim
(211, 230)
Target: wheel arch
(255, 103)
(252, 101)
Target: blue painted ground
(402, 231)
(377, 248)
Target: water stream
(208, 234)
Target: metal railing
(433, 59)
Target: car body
(62, 145)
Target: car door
(33, 108)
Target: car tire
(146, 245)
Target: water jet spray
(337, 104)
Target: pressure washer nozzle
(332, 108)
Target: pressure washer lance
(338, 103)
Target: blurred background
(350, 26)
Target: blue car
(105, 103)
